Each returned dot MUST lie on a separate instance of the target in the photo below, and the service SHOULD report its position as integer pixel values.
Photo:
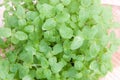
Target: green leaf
(57, 67)
(103, 69)
(4, 68)
(23, 71)
(94, 49)
(50, 35)
(14, 68)
(94, 66)
(31, 15)
(62, 17)
(54, 2)
(43, 47)
(44, 63)
(66, 46)
(29, 28)
(27, 77)
(21, 35)
(78, 65)
(48, 73)
(86, 3)
(11, 56)
(27, 57)
(45, 10)
(12, 21)
(77, 42)
(20, 11)
(22, 22)
(14, 40)
(80, 57)
(37, 21)
(74, 6)
(59, 7)
(30, 49)
(10, 76)
(2, 43)
(39, 73)
(65, 32)
(57, 49)
(49, 24)
(52, 60)
(66, 2)
(5, 32)
(32, 73)
(71, 73)
(79, 75)
(83, 16)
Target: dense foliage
(56, 40)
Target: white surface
(111, 2)
(1, 13)
(115, 75)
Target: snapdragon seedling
(56, 40)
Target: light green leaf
(57, 49)
(78, 75)
(83, 16)
(74, 6)
(12, 21)
(48, 73)
(62, 17)
(27, 77)
(80, 57)
(78, 65)
(59, 7)
(65, 32)
(22, 22)
(29, 28)
(30, 49)
(52, 60)
(77, 42)
(40, 73)
(44, 63)
(21, 35)
(86, 3)
(74, 18)
(71, 73)
(31, 15)
(10, 76)
(46, 10)
(103, 68)
(14, 40)
(43, 47)
(4, 68)
(20, 11)
(11, 56)
(66, 2)
(5, 32)
(50, 35)
(94, 49)
(94, 66)
(54, 2)
(2, 43)
(26, 57)
(49, 24)
(13, 68)
(23, 71)
(57, 67)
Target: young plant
(56, 40)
